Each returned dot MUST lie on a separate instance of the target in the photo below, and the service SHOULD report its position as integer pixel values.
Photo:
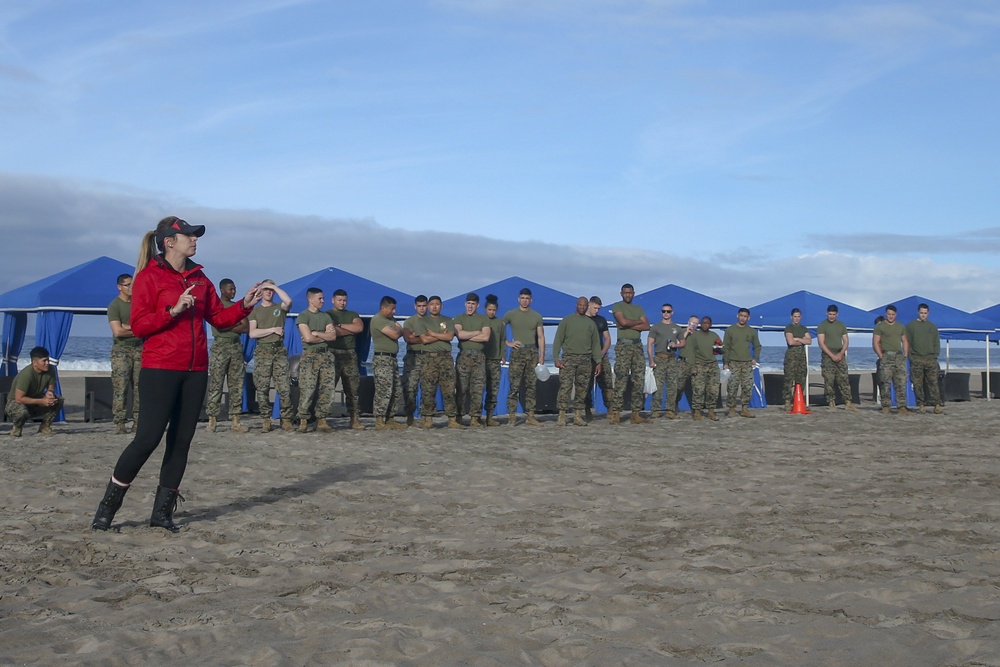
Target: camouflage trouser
(470, 372)
(630, 366)
(835, 372)
(349, 376)
(126, 360)
(225, 366)
(795, 372)
(385, 368)
(603, 382)
(924, 372)
(316, 376)
(893, 372)
(412, 364)
(705, 386)
(270, 362)
(522, 369)
(665, 373)
(18, 413)
(437, 369)
(574, 378)
(739, 389)
(683, 375)
(492, 385)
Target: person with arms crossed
(495, 348)
(436, 332)
(317, 373)
(796, 368)
(473, 332)
(348, 324)
(413, 359)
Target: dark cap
(179, 226)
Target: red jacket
(177, 343)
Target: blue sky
(742, 149)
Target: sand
(828, 539)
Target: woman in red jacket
(171, 300)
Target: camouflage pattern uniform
(682, 376)
(666, 370)
(893, 362)
(704, 370)
(579, 344)
(316, 376)
(412, 367)
(834, 372)
(796, 369)
(925, 346)
(630, 360)
(470, 366)
(522, 369)
(741, 350)
(316, 369)
(225, 366)
(437, 368)
(494, 357)
(385, 368)
(630, 365)
(270, 362)
(126, 360)
(34, 385)
(345, 359)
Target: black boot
(164, 507)
(112, 501)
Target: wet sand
(827, 539)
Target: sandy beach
(827, 539)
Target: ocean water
(93, 353)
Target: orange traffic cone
(799, 402)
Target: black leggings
(171, 400)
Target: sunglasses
(666, 311)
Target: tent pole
(989, 394)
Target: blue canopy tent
(774, 315)
(952, 324)
(363, 297)
(87, 288)
(552, 304)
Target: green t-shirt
(925, 341)
(740, 343)
(797, 331)
(892, 336)
(663, 334)
(687, 352)
(121, 311)
(524, 325)
(340, 318)
(631, 311)
(577, 334)
(317, 321)
(439, 324)
(494, 348)
(703, 344)
(225, 335)
(267, 317)
(833, 333)
(411, 324)
(380, 341)
(33, 384)
(474, 322)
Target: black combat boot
(112, 501)
(164, 507)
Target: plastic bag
(649, 382)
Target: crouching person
(33, 395)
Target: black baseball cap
(179, 226)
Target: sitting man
(33, 394)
